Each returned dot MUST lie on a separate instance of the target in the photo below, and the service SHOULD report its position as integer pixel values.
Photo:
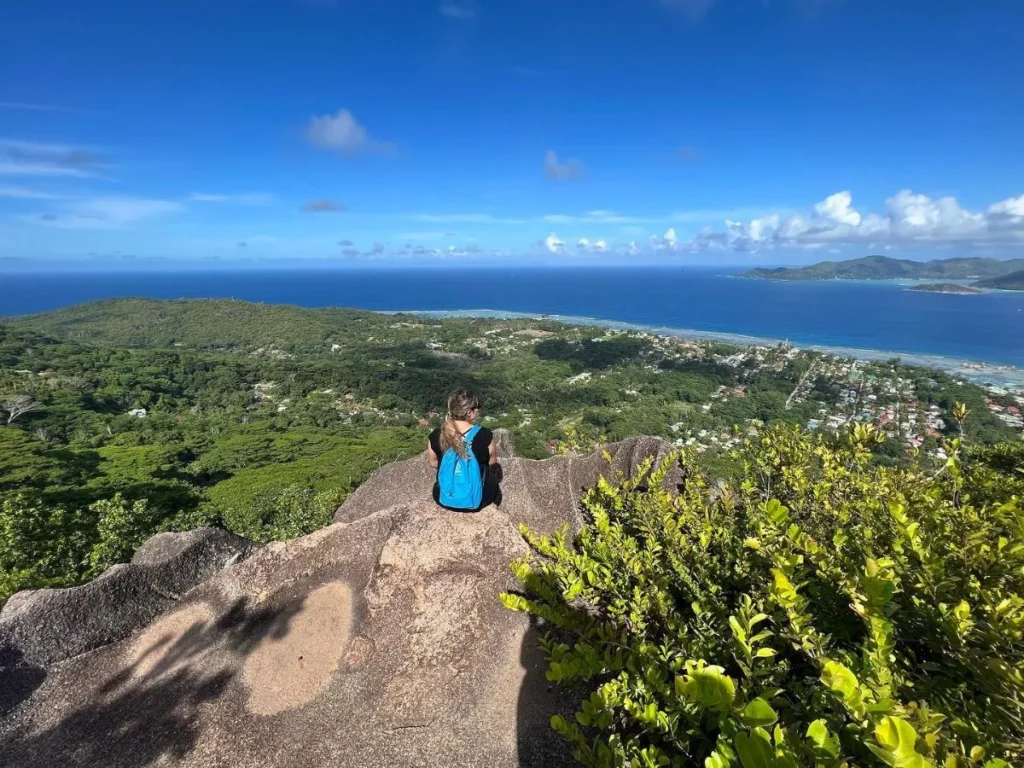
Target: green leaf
(759, 713)
(818, 733)
(897, 744)
(737, 630)
(754, 750)
(707, 687)
(840, 679)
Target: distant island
(1014, 281)
(946, 288)
(885, 268)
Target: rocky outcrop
(39, 628)
(379, 640)
(544, 493)
(50, 625)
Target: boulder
(378, 641)
(543, 493)
(50, 625)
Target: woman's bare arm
(493, 459)
(431, 456)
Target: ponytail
(460, 405)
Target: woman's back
(448, 446)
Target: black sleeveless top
(481, 446)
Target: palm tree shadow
(152, 709)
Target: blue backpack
(460, 478)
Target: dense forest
(123, 418)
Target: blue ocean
(867, 315)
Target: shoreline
(951, 365)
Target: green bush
(818, 609)
(287, 513)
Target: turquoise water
(866, 315)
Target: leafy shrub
(284, 514)
(818, 609)
(48, 545)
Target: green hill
(885, 268)
(123, 418)
(1014, 281)
(946, 288)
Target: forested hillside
(886, 268)
(123, 418)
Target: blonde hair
(460, 405)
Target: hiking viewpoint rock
(379, 640)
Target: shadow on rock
(18, 680)
(151, 709)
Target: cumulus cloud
(322, 206)
(838, 208)
(1013, 207)
(349, 250)
(666, 242)
(585, 245)
(111, 212)
(346, 243)
(909, 218)
(455, 250)
(342, 133)
(30, 158)
(245, 198)
(556, 170)
(554, 243)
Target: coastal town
(829, 393)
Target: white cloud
(909, 218)
(555, 170)
(1013, 207)
(342, 133)
(597, 246)
(666, 242)
(26, 193)
(32, 158)
(554, 244)
(247, 198)
(837, 208)
(107, 212)
(598, 217)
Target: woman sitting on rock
(465, 457)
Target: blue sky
(564, 131)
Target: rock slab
(378, 641)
